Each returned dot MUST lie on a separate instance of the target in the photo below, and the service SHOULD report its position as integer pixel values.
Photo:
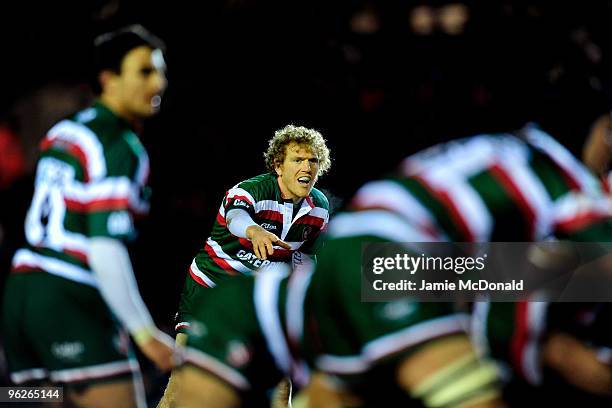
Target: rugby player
(262, 221)
(484, 188)
(74, 277)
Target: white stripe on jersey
(269, 205)
(449, 172)
(25, 257)
(87, 140)
(197, 272)
(390, 195)
(530, 359)
(97, 371)
(217, 367)
(236, 191)
(318, 212)
(392, 343)
(267, 283)
(563, 158)
(533, 190)
(413, 335)
(108, 188)
(378, 223)
(237, 265)
(573, 205)
(28, 375)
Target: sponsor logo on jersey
(252, 259)
(399, 309)
(268, 227)
(119, 223)
(238, 354)
(69, 350)
(240, 203)
(198, 329)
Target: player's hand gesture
(264, 241)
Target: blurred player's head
(130, 70)
(298, 156)
(575, 93)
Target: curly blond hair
(302, 136)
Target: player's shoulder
(319, 199)
(262, 186)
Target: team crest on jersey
(238, 354)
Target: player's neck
(285, 194)
(117, 108)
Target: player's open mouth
(304, 180)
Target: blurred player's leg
(118, 394)
(168, 400)
(196, 388)
(447, 373)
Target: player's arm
(447, 373)
(111, 265)
(240, 224)
(577, 364)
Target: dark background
(375, 86)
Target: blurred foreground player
(74, 277)
(491, 187)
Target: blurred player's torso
(90, 181)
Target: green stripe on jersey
(549, 174)
(437, 209)
(509, 220)
(58, 255)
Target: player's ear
(278, 168)
(107, 80)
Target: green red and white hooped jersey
(90, 182)
(225, 254)
(491, 188)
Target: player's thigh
(118, 394)
(23, 362)
(74, 333)
(200, 389)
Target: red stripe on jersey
(23, 268)
(309, 201)
(108, 204)
(245, 243)
(454, 212)
(515, 192)
(270, 215)
(197, 279)
(580, 221)
(81, 256)
(222, 263)
(281, 255)
(519, 338)
(221, 220)
(310, 220)
(72, 148)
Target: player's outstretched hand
(158, 348)
(264, 241)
